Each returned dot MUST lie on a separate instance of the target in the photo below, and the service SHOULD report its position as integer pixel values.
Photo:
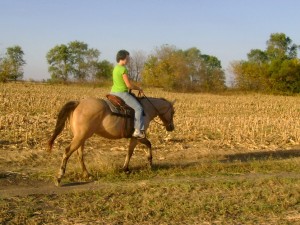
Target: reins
(160, 114)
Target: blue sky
(227, 29)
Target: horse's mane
(143, 97)
(164, 99)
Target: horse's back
(92, 105)
(93, 115)
(88, 113)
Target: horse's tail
(63, 115)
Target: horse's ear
(173, 102)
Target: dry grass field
(232, 159)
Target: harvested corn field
(232, 159)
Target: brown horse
(93, 116)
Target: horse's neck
(152, 107)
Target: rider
(121, 87)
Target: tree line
(76, 61)
(183, 70)
(275, 69)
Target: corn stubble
(248, 122)
(189, 184)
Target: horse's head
(166, 115)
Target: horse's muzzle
(170, 127)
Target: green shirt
(118, 82)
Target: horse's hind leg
(132, 145)
(85, 173)
(74, 145)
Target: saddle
(119, 108)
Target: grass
(233, 159)
(188, 201)
(210, 191)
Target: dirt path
(48, 188)
(16, 184)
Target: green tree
(257, 56)
(103, 70)
(91, 64)
(275, 69)
(82, 58)
(186, 70)
(73, 61)
(205, 71)
(149, 75)
(279, 46)
(250, 75)
(194, 63)
(59, 62)
(11, 65)
(213, 77)
(5, 68)
(285, 76)
(166, 68)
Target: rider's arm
(129, 84)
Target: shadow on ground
(227, 158)
(5, 142)
(262, 155)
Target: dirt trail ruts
(15, 185)
(47, 188)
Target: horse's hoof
(87, 176)
(126, 171)
(57, 182)
(90, 177)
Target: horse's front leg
(146, 142)
(132, 145)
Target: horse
(93, 116)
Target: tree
(205, 71)
(5, 69)
(59, 63)
(82, 58)
(279, 46)
(167, 68)
(136, 64)
(74, 60)
(185, 70)
(194, 63)
(276, 69)
(285, 76)
(11, 65)
(250, 75)
(257, 56)
(149, 75)
(213, 77)
(103, 70)
(91, 64)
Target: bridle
(161, 115)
